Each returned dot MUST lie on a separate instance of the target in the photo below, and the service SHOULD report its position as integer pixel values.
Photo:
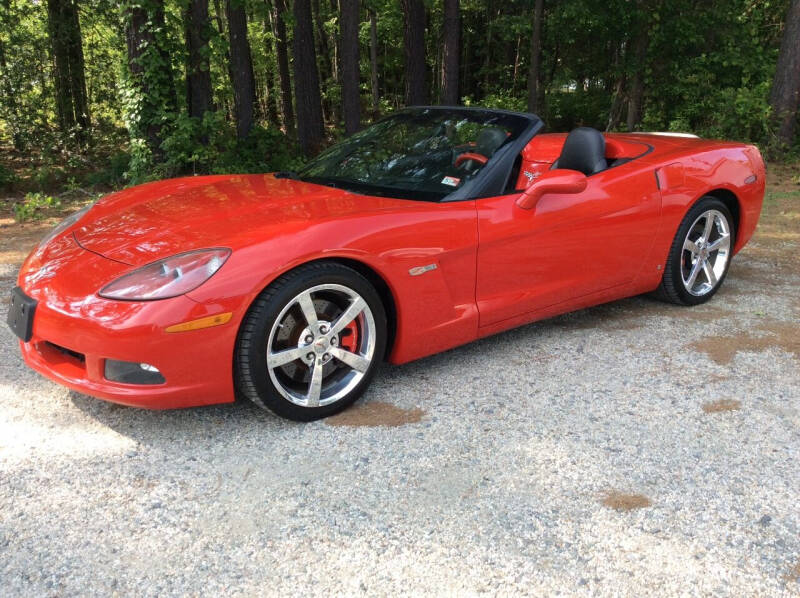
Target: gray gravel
(499, 488)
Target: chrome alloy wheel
(706, 251)
(321, 345)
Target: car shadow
(195, 425)
(213, 423)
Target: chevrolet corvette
(431, 228)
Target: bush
(33, 205)
(211, 146)
(7, 177)
(113, 175)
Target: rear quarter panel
(694, 168)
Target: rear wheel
(310, 343)
(700, 255)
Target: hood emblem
(422, 269)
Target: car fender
(431, 279)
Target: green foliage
(25, 104)
(141, 167)
(113, 173)
(708, 69)
(503, 99)
(211, 146)
(32, 207)
(7, 177)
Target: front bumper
(196, 365)
(75, 332)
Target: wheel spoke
(709, 270)
(709, 225)
(280, 358)
(355, 361)
(718, 244)
(350, 314)
(315, 385)
(309, 311)
(693, 274)
(317, 334)
(690, 246)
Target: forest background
(97, 95)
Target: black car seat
(584, 151)
(489, 139)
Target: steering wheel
(480, 158)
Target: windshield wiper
(325, 182)
(286, 174)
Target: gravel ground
(630, 449)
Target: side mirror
(559, 180)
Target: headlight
(64, 225)
(167, 278)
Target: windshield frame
(490, 181)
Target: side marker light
(207, 322)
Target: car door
(567, 246)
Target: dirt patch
(794, 574)
(375, 414)
(775, 242)
(620, 501)
(722, 349)
(722, 405)
(17, 240)
(750, 273)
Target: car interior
(584, 149)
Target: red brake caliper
(348, 338)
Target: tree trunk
(327, 60)
(373, 63)
(244, 86)
(329, 64)
(150, 72)
(535, 57)
(467, 78)
(785, 95)
(66, 45)
(348, 41)
(618, 93)
(198, 73)
(617, 104)
(487, 58)
(310, 127)
(282, 54)
(636, 97)
(77, 70)
(63, 92)
(271, 96)
(452, 51)
(223, 100)
(414, 41)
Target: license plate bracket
(20, 314)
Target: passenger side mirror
(559, 180)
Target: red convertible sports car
(431, 228)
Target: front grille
(68, 352)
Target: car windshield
(421, 153)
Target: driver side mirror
(559, 180)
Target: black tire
(251, 373)
(672, 288)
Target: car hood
(149, 222)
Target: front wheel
(310, 343)
(700, 255)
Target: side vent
(670, 176)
